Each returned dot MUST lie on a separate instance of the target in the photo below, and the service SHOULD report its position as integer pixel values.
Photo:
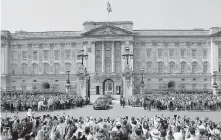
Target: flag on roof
(109, 7)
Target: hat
(155, 132)
(118, 124)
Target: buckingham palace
(111, 58)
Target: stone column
(6, 58)
(2, 58)
(103, 58)
(113, 58)
(214, 58)
(93, 57)
(41, 65)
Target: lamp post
(127, 54)
(142, 82)
(81, 56)
(68, 82)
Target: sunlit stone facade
(185, 58)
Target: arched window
(160, 67)
(56, 68)
(46, 68)
(24, 68)
(35, 68)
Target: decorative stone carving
(81, 74)
(108, 31)
(128, 75)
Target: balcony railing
(171, 74)
(41, 75)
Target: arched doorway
(108, 87)
(171, 85)
(45, 85)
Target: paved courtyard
(116, 110)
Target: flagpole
(108, 16)
(108, 12)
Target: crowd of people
(65, 127)
(40, 101)
(177, 102)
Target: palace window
(205, 68)
(182, 53)
(160, 67)
(57, 54)
(219, 52)
(183, 67)
(204, 54)
(23, 87)
(193, 53)
(117, 49)
(98, 53)
(35, 55)
(171, 67)
(13, 69)
(108, 52)
(194, 65)
(46, 54)
(56, 68)
(193, 86)
(35, 68)
(171, 53)
(108, 67)
(98, 67)
(14, 53)
(160, 53)
(46, 68)
(148, 67)
(149, 53)
(205, 86)
(14, 88)
(67, 54)
(24, 68)
(24, 55)
(117, 67)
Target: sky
(69, 15)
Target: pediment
(107, 30)
(217, 33)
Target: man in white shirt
(178, 134)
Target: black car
(101, 103)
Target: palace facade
(182, 59)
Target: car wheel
(105, 108)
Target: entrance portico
(108, 87)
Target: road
(116, 110)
